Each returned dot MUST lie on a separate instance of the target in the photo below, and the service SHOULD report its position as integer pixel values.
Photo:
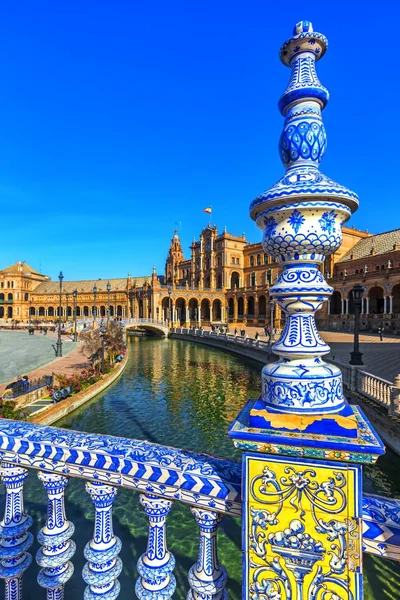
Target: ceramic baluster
(207, 578)
(14, 536)
(58, 548)
(103, 566)
(155, 566)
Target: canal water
(185, 395)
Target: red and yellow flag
(208, 209)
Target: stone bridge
(156, 326)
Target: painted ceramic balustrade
(14, 536)
(104, 565)
(55, 536)
(301, 217)
(155, 566)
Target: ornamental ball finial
(303, 27)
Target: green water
(184, 395)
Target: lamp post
(94, 304)
(30, 311)
(169, 305)
(271, 309)
(108, 301)
(59, 342)
(75, 295)
(115, 306)
(66, 309)
(356, 355)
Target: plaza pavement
(72, 361)
(380, 358)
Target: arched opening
(9, 312)
(258, 259)
(85, 311)
(165, 309)
(102, 311)
(230, 309)
(1, 297)
(26, 297)
(240, 307)
(32, 312)
(119, 310)
(216, 310)
(50, 311)
(396, 299)
(219, 281)
(41, 311)
(262, 306)
(235, 279)
(140, 308)
(193, 309)
(180, 310)
(1, 312)
(10, 297)
(78, 311)
(69, 311)
(59, 311)
(350, 303)
(336, 303)
(376, 302)
(250, 306)
(205, 309)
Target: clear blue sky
(120, 119)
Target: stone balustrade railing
(375, 388)
(162, 475)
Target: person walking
(380, 331)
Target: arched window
(119, 310)
(10, 296)
(41, 311)
(50, 311)
(26, 297)
(258, 259)
(252, 261)
(85, 311)
(377, 268)
(265, 259)
(237, 261)
(1, 297)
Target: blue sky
(119, 119)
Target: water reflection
(184, 395)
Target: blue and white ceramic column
(155, 566)
(104, 566)
(14, 536)
(57, 548)
(302, 510)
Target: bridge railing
(141, 321)
(210, 486)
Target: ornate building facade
(225, 279)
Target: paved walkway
(66, 365)
(380, 358)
